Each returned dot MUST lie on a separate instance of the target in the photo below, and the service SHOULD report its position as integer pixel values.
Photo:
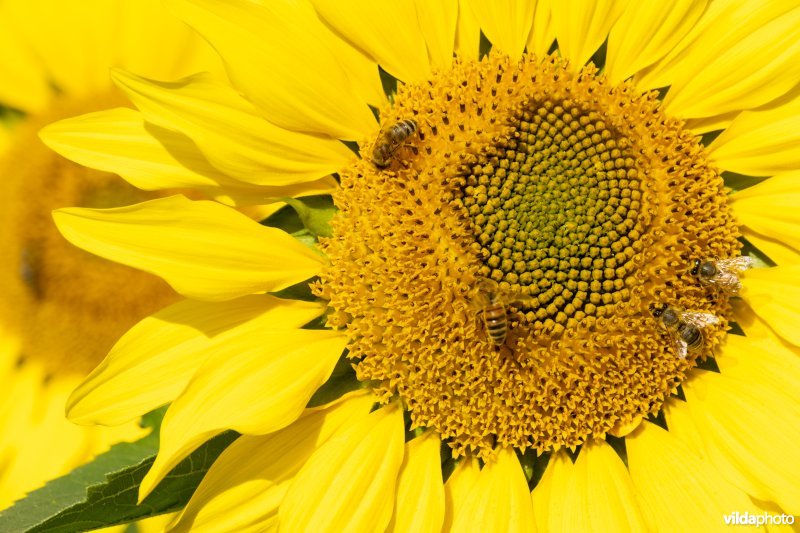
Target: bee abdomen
(494, 317)
(691, 336)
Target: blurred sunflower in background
(521, 315)
(62, 309)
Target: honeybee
(389, 140)
(724, 273)
(684, 327)
(491, 302)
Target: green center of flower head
(65, 306)
(498, 274)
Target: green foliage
(104, 492)
(311, 213)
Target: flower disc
(581, 200)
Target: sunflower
(62, 308)
(526, 312)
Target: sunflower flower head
(526, 288)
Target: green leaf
(315, 218)
(311, 213)
(104, 492)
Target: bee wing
(736, 264)
(700, 320)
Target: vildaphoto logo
(749, 519)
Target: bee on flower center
(685, 328)
(491, 302)
(390, 139)
(723, 273)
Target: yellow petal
(349, 482)
(247, 482)
(278, 54)
(230, 134)
(253, 380)
(118, 141)
(153, 158)
(555, 480)
(437, 20)
(362, 70)
(152, 363)
(542, 32)
(420, 489)
(459, 484)
(468, 32)
(676, 489)
(772, 208)
(506, 23)
(594, 494)
(775, 250)
(202, 249)
(760, 143)
(742, 55)
(581, 26)
(774, 294)
(389, 32)
(749, 421)
(499, 499)
(646, 32)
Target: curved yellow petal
(746, 55)
(499, 499)
(152, 363)
(204, 250)
(253, 380)
(676, 489)
(153, 158)
(118, 141)
(542, 34)
(726, 14)
(772, 208)
(348, 484)
(389, 32)
(230, 134)
(437, 20)
(777, 251)
(420, 490)
(594, 494)
(760, 143)
(506, 23)
(774, 294)
(646, 32)
(362, 71)
(247, 482)
(278, 54)
(581, 26)
(459, 484)
(749, 418)
(468, 32)
(555, 480)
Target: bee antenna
(696, 267)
